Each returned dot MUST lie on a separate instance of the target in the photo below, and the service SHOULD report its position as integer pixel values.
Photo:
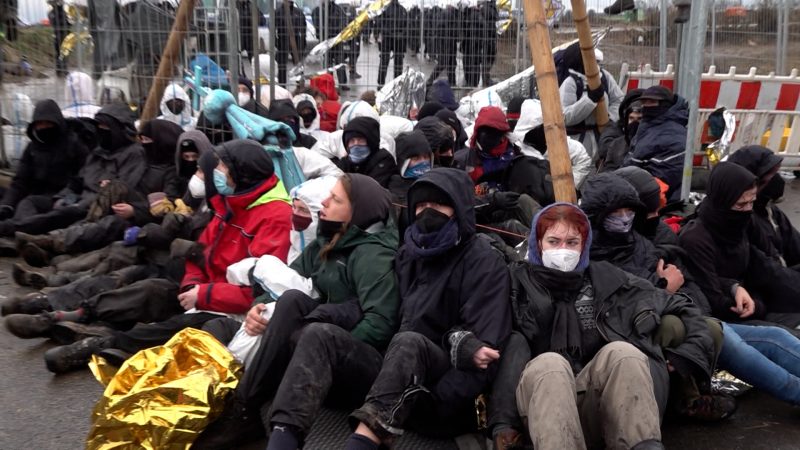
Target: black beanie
(646, 186)
(249, 84)
(427, 192)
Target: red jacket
(257, 223)
(328, 115)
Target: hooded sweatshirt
(285, 108)
(200, 144)
(457, 298)
(161, 175)
(46, 168)
(306, 101)
(442, 93)
(531, 117)
(379, 165)
(312, 193)
(185, 119)
(332, 147)
(771, 230)
(409, 145)
(79, 95)
(614, 142)
(254, 221)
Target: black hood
(279, 109)
(165, 136)
(411, 144)
(367, 127)
(119, 118)
(757, 159)
(438, 134)
(458, 186)
(199, 143)
(726, 184)
(451, 119)
(645, 184)
(249, 165)
(605, 193)
(631, 97)
(371, 203)
(47, 111)
(429, 109)
(573, 59)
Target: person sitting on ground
(660, 140)
(441, 139)
(582, 323)
(455, 319)
(246, 98)
(119, 206)
(415, 159)
(361, 138)
(177, 108)
(252, 217)
(529, 133)
(451, 119)
(615, 141)
(284, 111)
(771, 231)
(514, 110)
(351, 266)
(49, 163)
(740, 281)
(118, 157)
(310, 117)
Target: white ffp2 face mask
(562, 259)
(197, 187)
(243, 98)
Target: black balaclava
(429, 220)
(307, 111)
(727, 182)
(113, 138)
(761, 162)
(164, 135)
(649, 194)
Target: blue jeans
(766, 357)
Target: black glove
(505, 200)
(6, 212)
(596, 95)
(345, 315)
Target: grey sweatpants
(610, 402)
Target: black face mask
(295, 126)
(188, 168)
(652, 112)
(431, 220)
(308, 118)
(536, 139)
(105, 138)
(151, 151)
(630, 130)
(175, 106)
(328, 228)
(47, 135)
(444, 160)
(774, 189)
(488, 139)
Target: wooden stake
(168, 59)
(590, 66)
(547, 82)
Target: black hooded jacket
(458, 299)
(285, 108)
(125, 162)
(46, 169)
(719, 252)
(380, 164)
(161, 174)
(407, 145)
(614, 144)
(770, 231)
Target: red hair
(569, 214)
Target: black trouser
(501, 410)
(261, 379)
(400, 397)
(143, 301)
(36, 219)
(146, 335)
(328, 365)
(391, 48)
(72, 296)
(282, 58)
(445, 62)
(88, 236)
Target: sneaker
(620, 6)
(234, 427)
(67, 358)
(28, 326)
(35, 255)
(33, 303)
(67, 332)
(710, 407)
(355, 75)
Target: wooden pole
(547, 82)
(168, 59)
(590, 66)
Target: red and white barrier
(760, 103)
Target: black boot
(35, 255)
(67, 332)
(75, 356)
(43, 241)
(28, 326)
(650, 444)
(28, 276)
(114, 356)
(33, 303)
(236, 426)
(620, 6)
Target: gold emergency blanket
(162, 397)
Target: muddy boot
(28, 276)
(33, 303)
(8, 247)
(35, 255)
(75, 356)
(70, 332)
(43, 241)
(27, 326)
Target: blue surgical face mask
(359, 153)
(417, 170)
(221, 183)
(619, 223)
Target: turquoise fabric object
(287, 169)
(245, 125)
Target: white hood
(184, 119)
(280, 94)
(312, 193)
(79, 96)
(351, 110)
(305, 97)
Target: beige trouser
(611, 402)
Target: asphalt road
(40, 411)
